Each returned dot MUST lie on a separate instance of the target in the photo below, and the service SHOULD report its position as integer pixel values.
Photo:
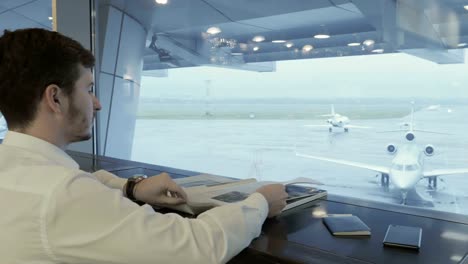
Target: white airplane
(336, 120)
(407, 167)
(410, 129)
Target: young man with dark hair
(56, 213)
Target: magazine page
(201, 188)
(232, 194)
(206, 191)
(200, 183)
(299, 192)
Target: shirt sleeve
(109, 179)
(87, 222)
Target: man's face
(83, 106)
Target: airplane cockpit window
(339, 92)
(402, 167)
(411, 167)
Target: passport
(403, 236)
(346, 225)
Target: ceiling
(434, 30)
(16, 14)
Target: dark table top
(299, 236)
(442, 241)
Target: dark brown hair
(30, 60)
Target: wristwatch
(131, 183)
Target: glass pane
(23, 14)
(3, 127)
(310, 89)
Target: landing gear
(346, 129)
(403, 196)
(432, 182)
(330, 129)
(385, 180)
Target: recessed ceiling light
(213, 30)
(354, 44)
(258, 38)
(368, 42)
(321, 36)
(466, 7)
(50, 18)
(289, 44)
(161, 2)
(237, 54)
(255, 48)
(378, 50)
(461, 44)
(278, 41)
(307, 48)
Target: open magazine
(206, 191)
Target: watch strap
(130, 186)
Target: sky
(396, 75)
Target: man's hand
(159, 190)
(275, 195)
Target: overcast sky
(387, 75)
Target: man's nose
(96, 103)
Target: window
(3, 127)
(314, 90)
(15, 15)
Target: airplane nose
(403, 180)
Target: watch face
(138, 176)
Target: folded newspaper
(206, 191)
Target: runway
(265, 149)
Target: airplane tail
(411, 124)
(332, 112)
(409, 127)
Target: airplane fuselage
(407, 167)
(338, 121)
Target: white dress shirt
(52, 212)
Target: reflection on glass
(3, 127)
(236, 105)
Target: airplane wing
(391, 131)
(377, 168)
(353, 126)
(443, 172)
(317, 125)
(431, 132)
(419, 130)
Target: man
(52, 212)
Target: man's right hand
(160, 190)
(275, 195)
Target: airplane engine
(409, 136)
(429, 150)
(392, 149)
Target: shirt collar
(42, 147)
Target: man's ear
(53, 98)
